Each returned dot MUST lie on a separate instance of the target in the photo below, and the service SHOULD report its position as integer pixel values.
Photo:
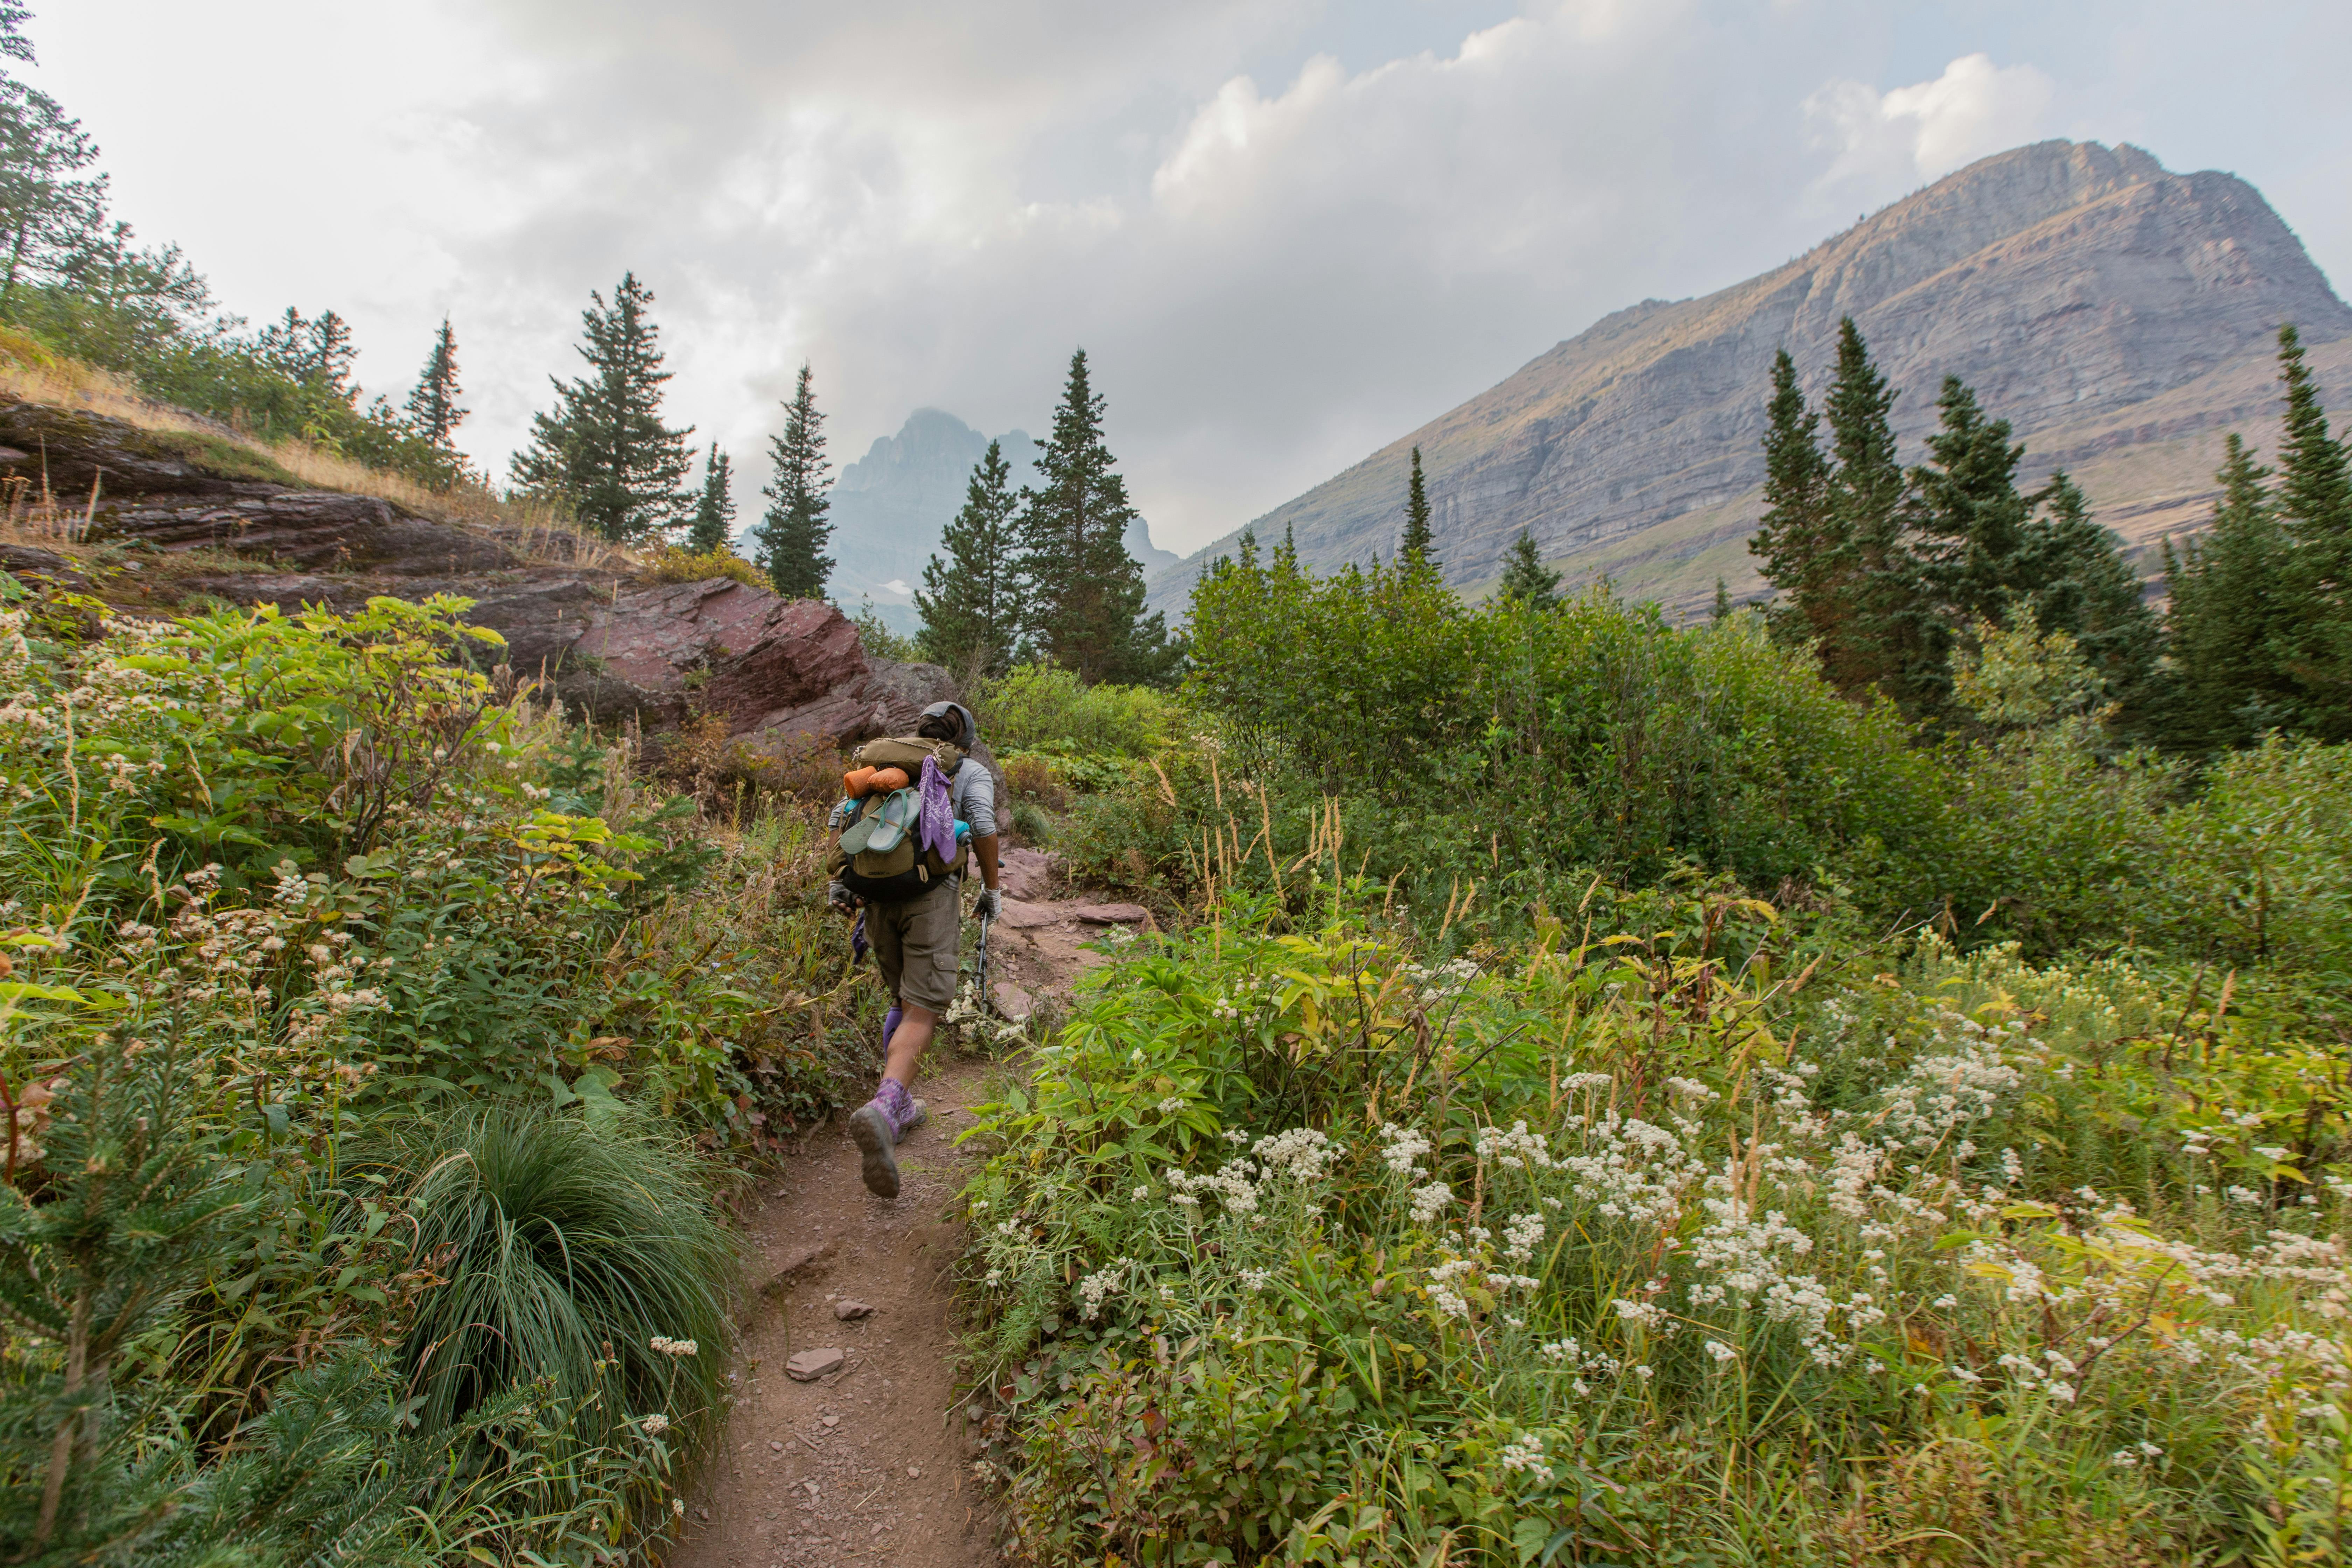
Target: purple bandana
(936, 831)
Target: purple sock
(897, 1104)
(890, 1025)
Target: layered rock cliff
(2113, 311)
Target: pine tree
(50, 206)
(433, 408)
(713, 527)
(2311, 638)
(603, 449)
(1721, 609)
(1418, 545)
(332, 354)
(2069, 576)
(1803, 555)
(972, 595)
(1525, 579)
(1885, 636)
(791, 536)
(1087, 604)
(1966, 513)
(2225, 591)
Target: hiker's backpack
(879, 858)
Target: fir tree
(2068, 574)
(332, 355)
(1803, 555)
(1087, 604)
(1884, 631)
(791, 534)
(2225, 591)
(972, 595)
(603, 449)
(1525, 578)
(1418, 545)
(433, 408)
(1721, 610)
(1966, 512)
(2311, 637)
(713, 526)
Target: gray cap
(966, 731)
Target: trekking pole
(979, 976)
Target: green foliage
(712, 530)
(603, 450)
(2225, 589)
(1085, 605)
(580, 1254)
(789, 538)
(1660, 1242)
(678, 563)
(433, 408)
(1525, 576)
(1418, 542)
(875, 636)
(972, 599)
(1043, 707)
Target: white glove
(840, 897)
(987, 905)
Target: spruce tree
(433, 408)
(2311, 637)
(713, 525)
(971, 595)
(1967, 515)
(1525, 578)
(1417, 548)
(1721, 609)
(2069, 576)
(1803, 555)
(2225, 591)
(1884, 634)
(603, 449)
(791, 534)
(332, 354)
(1086, 603)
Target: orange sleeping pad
(863, 782)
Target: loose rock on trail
(870, 1460)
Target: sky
(1285, 231)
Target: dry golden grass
(532, 529)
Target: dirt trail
(870, 1462)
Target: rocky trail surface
(848, 1441)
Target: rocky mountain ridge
(173, 516)
(2120, 316)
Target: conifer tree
(2225, 591)
(2311, 638)
(1418, 545)
(1721, 609)
(1884, 634)
(1966, 512)
(433, 408)
(49, 205)
(1525, 578)
(603, 449)
(1086, 603)
(713, 525)
(2068, 573)
(791, 534)
(972, 595)
(332, 354)
(1803, 555)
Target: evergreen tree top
(1417, 546)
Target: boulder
(1113, 914)
(1025, 873)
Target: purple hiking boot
(878, 1126)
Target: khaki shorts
(917, 943)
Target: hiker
(921, 809)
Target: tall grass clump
(586, 1255)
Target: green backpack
(878, 857)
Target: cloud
(1921, 132)
(1286, 231)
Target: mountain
(890, 507)
(2119, 316)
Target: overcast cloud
(1285, 231)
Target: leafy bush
(1666, 1244)
(1043, 707)
(676, 563)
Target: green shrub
(1670, 1245)
(1040, 707)
(676, 563)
